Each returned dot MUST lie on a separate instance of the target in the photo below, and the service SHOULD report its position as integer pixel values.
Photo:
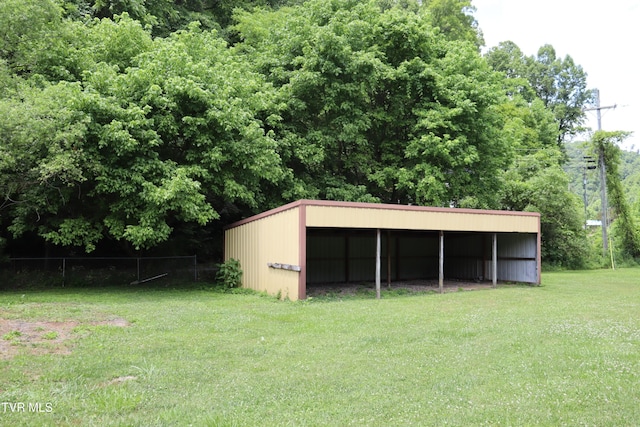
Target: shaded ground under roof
(410, 286)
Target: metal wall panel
(516, 246)
(273, 239)
(326, 261)
(344, 255)
(517, 258)
(418, 256)
(362, 257)
(376, 216)
(464, 254)
(517, 271)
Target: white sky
(600, 36)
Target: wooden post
(378, 244)
(494, 260)
(441, 267)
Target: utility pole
(603, 175)
(589, 164)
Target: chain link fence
(90, 271)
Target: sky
(601, 36)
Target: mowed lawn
(564, 353)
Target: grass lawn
(564, 353)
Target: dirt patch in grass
(41, 337)
(410, 286)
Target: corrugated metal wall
(464, 254)
(415, 218)
(517, 258)
(326, 258)
(344, 255)
(338, 255)
(273, 239)
(417, 256)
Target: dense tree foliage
(137, 121)
(624, 223)
(547, 96)
(623, 188)
(378, 106)
(561, 84)
(454, 19)
(127, 155)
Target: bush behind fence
(98, 271)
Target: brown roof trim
(265, 214)
(363, 205)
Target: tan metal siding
(449, 220)
(272, 239)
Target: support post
(441, 264)
(378, 245)
(195, 268)
(494, 260)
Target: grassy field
(564, 353)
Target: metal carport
(310, 241)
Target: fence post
(195, 268)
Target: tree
(167, 16)
(74, 48)
(377, 105)
(454, 18)
(42, 161)
(562, 85)
(537, 183)
(535, 180)
(133, 154)
(606, 142)
(559, 83)
(24, 21)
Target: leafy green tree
(537, 183)
(22, 22)
(454, 18)
(606, 142)
(74, 48)
(630, 176)
(167, 16)
(133, 155)
(560, 83)
(376, 104)
(42, 161)
(535, 180)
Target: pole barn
(306, 242)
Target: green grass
(564, 353)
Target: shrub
(229, 274)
